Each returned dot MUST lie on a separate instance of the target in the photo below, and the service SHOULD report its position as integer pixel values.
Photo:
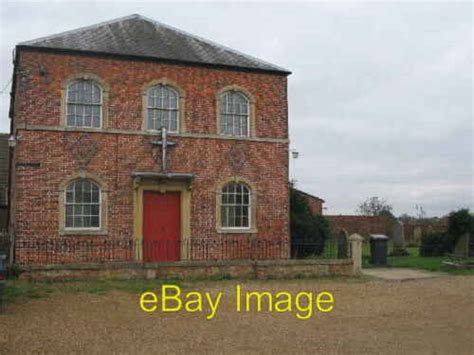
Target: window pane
(166, 119)
(96, 95)
(231, 213)
(82, 208)
(174, 101)
(95, 222)
(95, 111)
(77, 222)
(95, 194)
(72, 95)
(235, 205)
(69, 196)
(238, 199)
(150, 121)
(95, 210)
(86, 221)
(69, 210)
(151, 98)
(77, 210)
(69, 222)
(96, 122)
(80, 94)
(224, 217)
(245, 198)
(87, 121)
(71, 120)
(86, 211)
(244, 131)
(234, 114)
(225, 198)
(84, 104)
(174, 121)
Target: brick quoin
(37, 112)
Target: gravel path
(427, 316)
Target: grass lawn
(415, 261)
(17, 290)
(21, 290)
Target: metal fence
(67, 250)
(5, 243)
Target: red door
(161, 226)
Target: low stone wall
(189, 269)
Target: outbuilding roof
(139, 36)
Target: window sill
(237, 231)
(84, 129)
(157, 132)
(83, 232)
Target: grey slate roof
(139, 36)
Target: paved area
(424, 316)
(401, 274)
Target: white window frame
(249, 211)
(148, 107)
(101, 108)
(249, 116)
(66, 204)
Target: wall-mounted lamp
(295, 154)
(13, 140)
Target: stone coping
(221, 263)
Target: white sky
(380, 95)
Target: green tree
(308, 232)
(439, 243)
(460, 222)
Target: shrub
(13, 271)
(308, 232)
(434, 244)
(459, 223)
(438, 244)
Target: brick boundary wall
(424, 228)
(363, 225)
(190, 269)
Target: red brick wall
(427, 227)
(38, 103)
(363, 225)
(315, 205)
(40, 97)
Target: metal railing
(62, 250)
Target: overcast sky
(380, 96)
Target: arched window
(235, 206)
(84, 104)
(82, 205)
(162, 108)
(234, 111)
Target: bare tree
(375, 206)
(420, 212)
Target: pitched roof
(309, 195)
(139, 36)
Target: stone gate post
(356, 248)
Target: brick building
(92, 162)
(315, 203)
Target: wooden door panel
(161, 226)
